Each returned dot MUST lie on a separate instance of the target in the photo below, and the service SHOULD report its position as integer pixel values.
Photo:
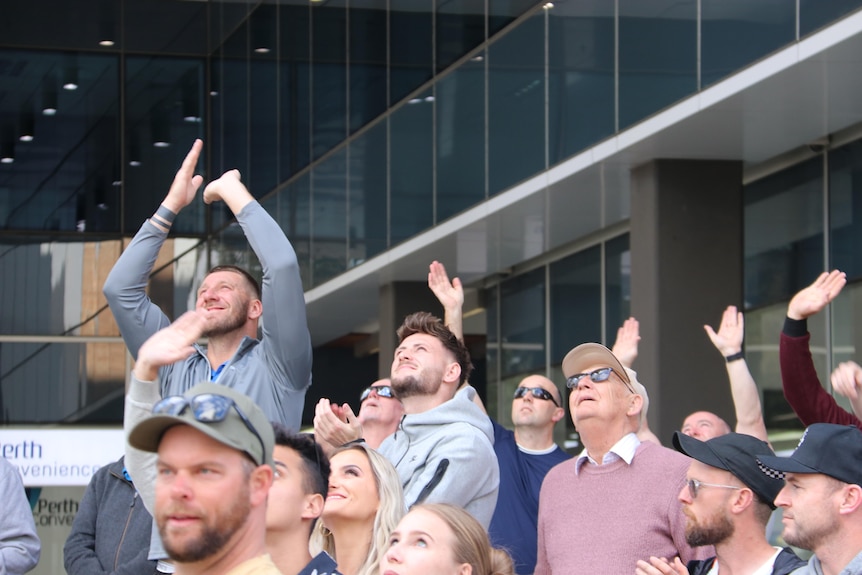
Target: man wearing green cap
(214, 463)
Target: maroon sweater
(802, 388)
(605, 518)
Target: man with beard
(275, 370)
(822, 498)
(443, 447)
(214, 461)
(727, 502)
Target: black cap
(827, 448)
(737, 453)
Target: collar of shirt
(623, 449)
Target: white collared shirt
(623, 449)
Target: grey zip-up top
(813, 567)
(446, 455)
(274, 371)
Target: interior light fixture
(7, 146)
(548, 5)
(191, 106)
(26, 124)
(49, 96)
(70, 77)
(134, 152)
(161, 129)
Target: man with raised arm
(727, 340)
(275, 370)
(802, 388)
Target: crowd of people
(217, 479)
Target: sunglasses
(537, 393)
(206, 408)
(695, 484)
(380, 390)
(596, 376)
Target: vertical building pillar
(687, 266)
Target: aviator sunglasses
(537, 393)
(380, 390)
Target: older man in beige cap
(621, 493)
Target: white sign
(60, 456)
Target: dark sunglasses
(596, 376)
(537, 393)
(206, 408)
(380, 390)
(695, 484)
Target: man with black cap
(822, 499)
(215, 469)
(727, 501)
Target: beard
(215, 531)
(811, 538)
(412, 385)
(224, 325)
(714, 530)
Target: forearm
(141, 465)
(746, 400)
(453, 319)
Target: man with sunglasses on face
(727, 502)
(215, 469)
(379, 414)
(619, 494)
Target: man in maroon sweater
(802, 388)
(616, 503)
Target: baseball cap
(588, 355)
(737, 453)
(827, 448)
(222, 413)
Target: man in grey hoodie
(443, 448)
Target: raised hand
(626, 346)
(169, 345)
(335, 425)
(186, 183)
(731, 330)
(449, 294)
(847, 380)
(814, 298)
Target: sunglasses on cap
(380, 390)
(537, 393)
(596, 376)
(206, 408)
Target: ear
(636, 403)
(255, 309)
(259, 483)
(452, 373)
(465, 569)
(742, 500)
(313, 507)
(557, 415)
(851, 499)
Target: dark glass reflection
(367, 195)
(411, 52)
(328, 77)
(522, 323)
(815, 14)
(329, 218)
(368, 31)
(845, 209)
(657, 56)
(576, 298)
(411, 169)
(460, 27)
(618, 297)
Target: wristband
(165, 216)
(734, 357)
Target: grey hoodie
(446, 455)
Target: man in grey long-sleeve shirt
(19, 544)
(275, 370)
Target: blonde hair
(389, 512)
(471, 545)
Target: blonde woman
(364, 503)
(441, 539)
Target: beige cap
(589, 355)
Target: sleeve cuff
(795, 327)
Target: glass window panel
(368, 43)
(845, 209)
(329, 218)
(264, 173)
(734, 35)
(815, 14)
(460, 101)
(657, 56)
(295, 94)
(367, 195)
(581, 76)
(411, 56)
(516, 105)
(576, 301)
(502, 13)
(618, 296)
(522, 325)
(328, 77)
(410, 169)
(492, 346)
(291, 207)
(846, 315)
(159, 26)
(460, 28)
(783, 233)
